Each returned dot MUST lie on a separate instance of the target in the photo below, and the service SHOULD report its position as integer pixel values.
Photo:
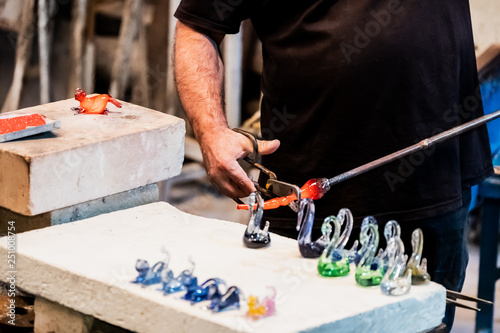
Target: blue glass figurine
(305, 221)
(182, 282)
(335, 260)
(230, 300)
(254, 237)
(150, 275)
(209, 290)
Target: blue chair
(489, 192)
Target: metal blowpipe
(315, 188)
(426, 143)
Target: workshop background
(48, 48)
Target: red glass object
(314, 188)
(13, 124)
(95, 104)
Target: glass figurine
(266, 308)
(182, 282)
(391, 230)
(229, 301)
(397, 278)
(254, 237)
(209, 290)
(314, 188)
(95, 104)
(419, 269)
(151, 275)
(148, 275)
(334, 261)
(366, 274)
(305, 221)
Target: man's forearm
(199, 73)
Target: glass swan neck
(344, 215)
(391, 230)
(305, 220)
(255, 214)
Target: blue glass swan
(305, 221)
(182, 282)
(209, 290)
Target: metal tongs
(274, 187)
(452, 296)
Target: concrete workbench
(80, 271)
(92, 164)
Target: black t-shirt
(347, 82)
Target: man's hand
(221, 150)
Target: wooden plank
(491, 54)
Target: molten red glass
(13, 124)
(314, 188)
(95, 104)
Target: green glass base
(336, 268)
(367, 278)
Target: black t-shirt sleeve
(224, 16)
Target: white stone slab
(87, 267)
(89, 157)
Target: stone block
(89, 157)
(128, 199)
(53, 317)
(90, 266)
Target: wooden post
(140, 92)
(173, 102)
(233, 53)
(23, 51)
(128, 30)
(88, 57)
(79, 19)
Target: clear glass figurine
(366, 273)
(182, 282)
(254, 237)
(334, 260)
(305, 221)
(208, 291)
(418, 268)
(391, 229)
(229, 301)
(397, 278)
